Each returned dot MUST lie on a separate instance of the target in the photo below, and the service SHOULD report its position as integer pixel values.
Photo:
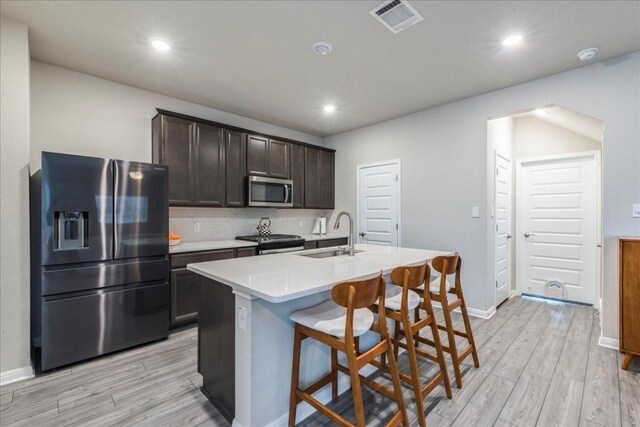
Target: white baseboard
(482, 314)
(16, 375)
(324, 396)
(607, 342)
(514, 293)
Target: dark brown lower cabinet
(185, 284)
(325, 243)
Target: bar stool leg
(295, 372)
(334, 372)
(397, 386)
(439, 351)
(415, 373)
(356, 389)
(467, 327)
(452, 341)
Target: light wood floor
(540, 364)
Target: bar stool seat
(331, 318)
(393, 299)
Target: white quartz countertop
(283, 277)
(315, 237)
(209, 245)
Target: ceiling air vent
(396, 15)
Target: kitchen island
(245, 336)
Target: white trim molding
(475, 312)
(16, 375)
(607, 342)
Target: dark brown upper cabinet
(297, 175)
(319, 179)
(173, 146)
(257, 155)
(235, 156)
(279, 159)
(267, 157)
(209, 159)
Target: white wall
(444, 152)
(81, 114)
(14, 196)
(534, 137)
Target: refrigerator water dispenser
(71, 230)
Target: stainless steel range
(276, 243)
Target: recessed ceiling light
(329, 108)
(587, 54)
(161, 45)
(322, 48)
(512, 40)
(541, 112)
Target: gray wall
(14, 196)
(81, 114)
(444, 152)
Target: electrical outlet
(196, 227)
(300, 224)
(242, 318)
(636, 210)
(475, 212)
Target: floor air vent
(396, 15)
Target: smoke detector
(396, 15)
(322, 48)
(587, 54)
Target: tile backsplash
(227, 223)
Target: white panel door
(378, 204)
(503, 189)
(557, 214)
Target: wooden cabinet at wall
(185, 284)
(319, 180)
(297, 175)
(629, 299)
(209, 159)
(172, 145)
(194, 153)
(208, 163)
(235, 158)
(267, 157)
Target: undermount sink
(329, 253)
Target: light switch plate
(196, 227)
(636, 210)
(475, 212)
(242, 318)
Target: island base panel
(216, 345)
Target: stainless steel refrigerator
(99, 257)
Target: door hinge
(497, 171)
(496, 227)
(396, 225)
(396, 177)
(496, 283)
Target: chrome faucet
(351, 239)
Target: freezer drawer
(104, 274)
(79, 328)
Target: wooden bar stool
(337, 323)
(438, 290)
(401, 301)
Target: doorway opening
(544, 190)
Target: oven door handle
(281, 250)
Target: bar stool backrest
(365, 292)
(446, 265)
(417, 274)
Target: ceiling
(570, 120)
(254, 58)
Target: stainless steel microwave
(269, 192)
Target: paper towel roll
(320, 226)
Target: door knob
(508, 236)
(362, 234)
(527, 235)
